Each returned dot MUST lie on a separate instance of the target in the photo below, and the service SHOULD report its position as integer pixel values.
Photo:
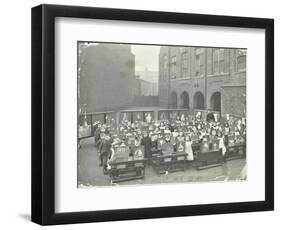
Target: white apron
(221, 145)
(188, 150)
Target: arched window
(198, 101)
(185, 100)
(216, 101)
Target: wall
(147, 88)
(147, 75)
(163, 79)
(15, 103)
(233, 100)
(144, 101)
(103, 88)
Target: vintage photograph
(155, 114)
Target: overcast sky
(146, 57)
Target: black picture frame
(43, 113)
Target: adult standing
(188, 149)
(147, 143)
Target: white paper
(69, 199)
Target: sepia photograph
(156, 114)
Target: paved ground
(90, 174)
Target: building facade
(148, 82)
(106, 76)
(147, 88)
(203, 78)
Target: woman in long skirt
(188, 149)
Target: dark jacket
(147, 143)
(105, 146)
(97, 134)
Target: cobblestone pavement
(90, 174)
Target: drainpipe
(206, 80)
(169, 77)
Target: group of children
(175, 136)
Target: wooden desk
(127, 163)
(196, 149)
(126, 169)
(209, 159)
(236, 151)
(155, 152)
(169, 162)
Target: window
(221, 60)
(199, 63)
(184, 65)
(173, 66)
(241, 60)
(165, 67)
(218, 61)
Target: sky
(146, 57)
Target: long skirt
(189, 151)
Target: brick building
(203, 78)
(106, 77)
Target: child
(105, 151)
